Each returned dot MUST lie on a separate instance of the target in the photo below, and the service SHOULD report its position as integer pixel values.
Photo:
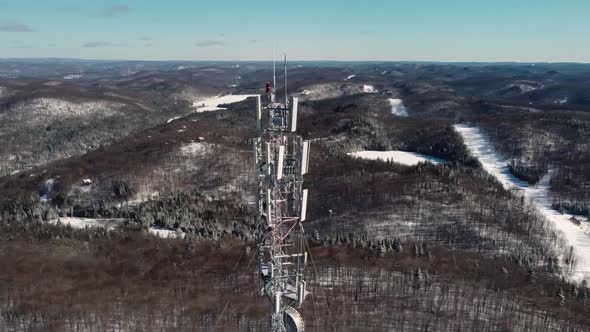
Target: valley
(443, 196)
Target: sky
(367, 30)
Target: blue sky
(414, 30)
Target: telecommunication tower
(281, 159)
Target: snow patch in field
(523, 86)
(212, 104)
(561, 101)
(193, 149)
(166, 233)
(369, 88)
(400, 157)
(52, 83)
(527, 88)
(349, 77)
(81, 223)
(110, 224)
(72, 77)
(172, 119)
(397, 107)
(128, 73)
(496, 165)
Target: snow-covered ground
(526, 86)
(110, 224)
(397, 107)
(53, 83)
(325, 90)
(43, 110)
(192, 149)
(81, 223)
(72, 77)
(212, 104)
(166, 233)
(333, 90)
(349, 77)
(400, 157)
(496, 165)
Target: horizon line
(298, 60)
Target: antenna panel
(255, 146)
(301, 293)
(280, 163)
(293, 124)
(258, 113)
(304, 206)
(268, 160)
(304, 157)
(286, 94)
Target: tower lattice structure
(281, 160)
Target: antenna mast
(286, 95)
(274, 72)
(281, 159)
